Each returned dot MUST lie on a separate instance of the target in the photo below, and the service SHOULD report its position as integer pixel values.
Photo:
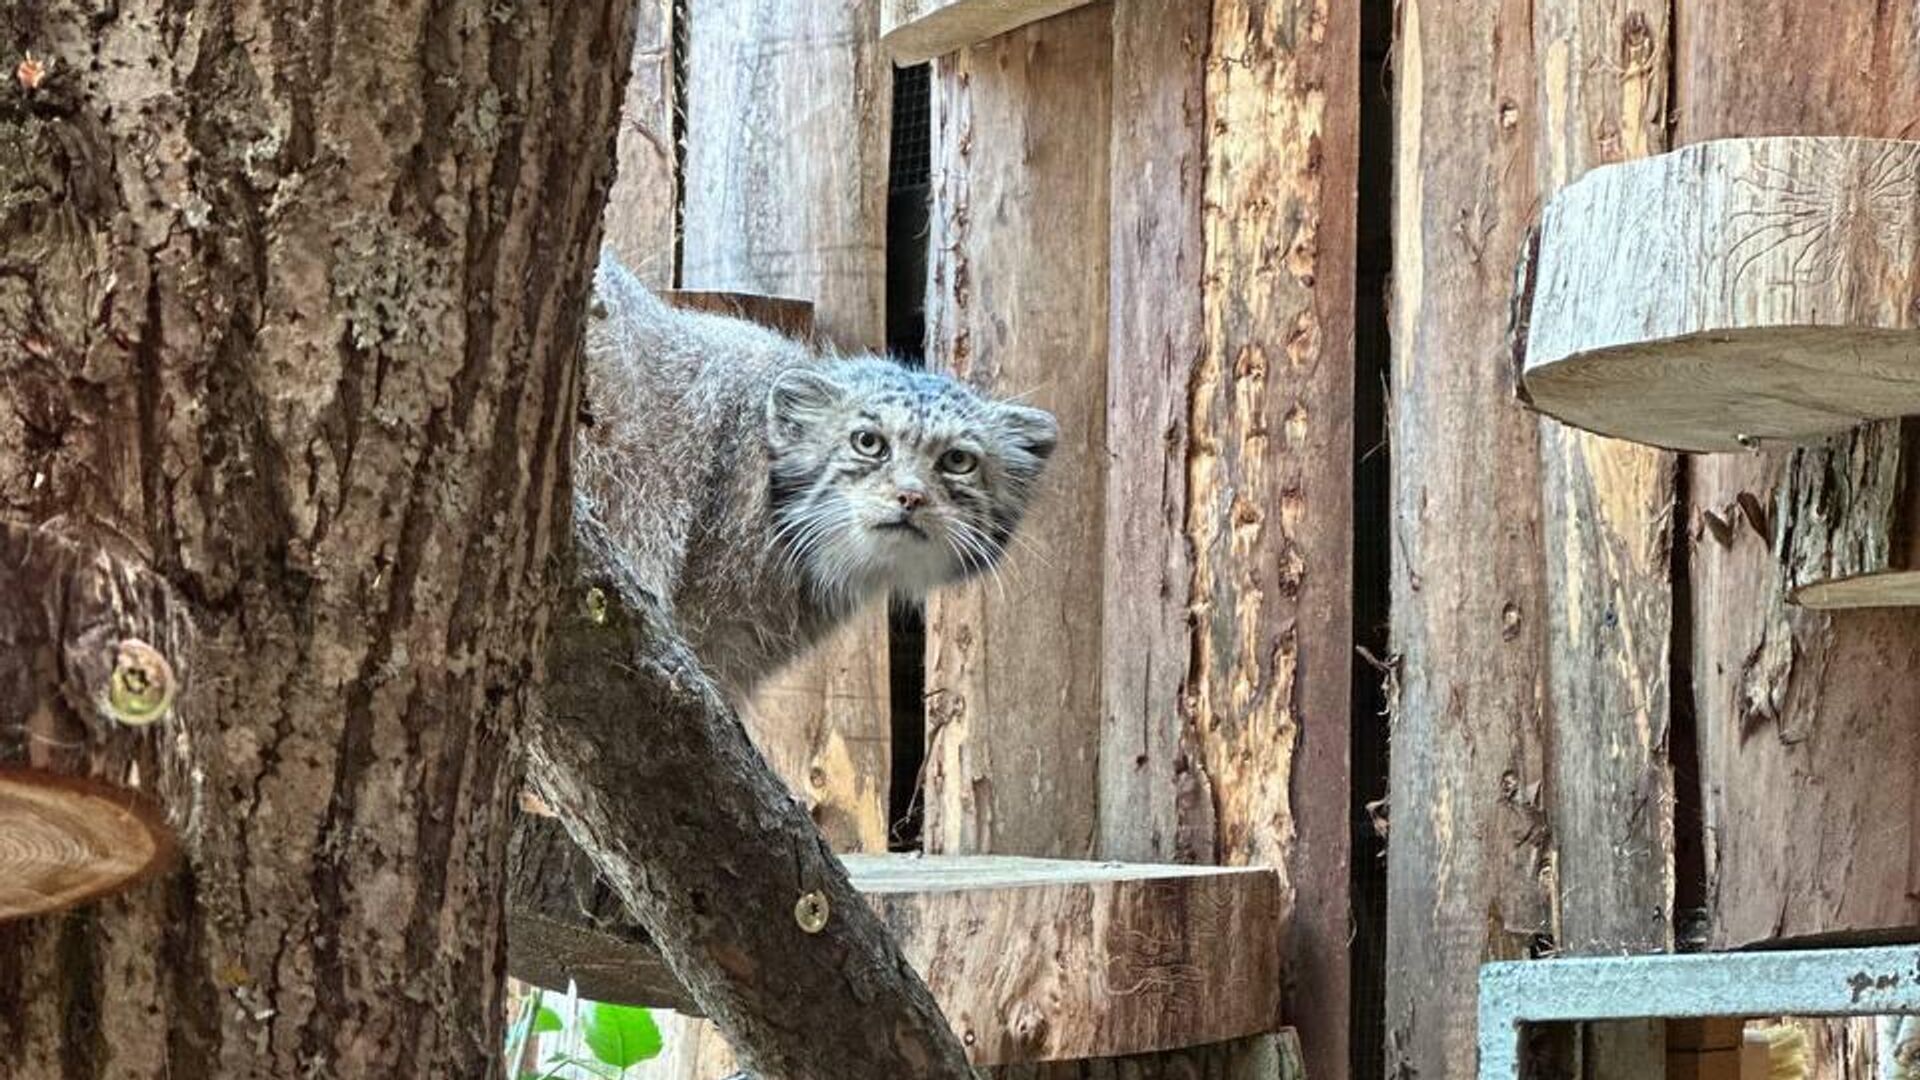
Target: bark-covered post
(290, 296)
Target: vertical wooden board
(1609, 516)
(1268, 476)
(1468, 849)
(642, 205)
(1806, 720)
(1154, 800)
(788, 113)
(1017, 303)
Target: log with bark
(656, 778)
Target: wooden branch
(1731, 292)
(657, 780)
(1033, 959)
(914, 31)
(92, 654)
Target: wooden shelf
(1729, 293)
(914, 31)
(1031, 959)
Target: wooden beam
(1227, 624)
(1792, 312)
(914, 31)
(1787, 698)
(1031, 960)
(1017, 304)
(1469, 851)
(1607, 513)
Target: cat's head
(888, 478)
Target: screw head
(140, 689)
(812, 912)
(597, 606)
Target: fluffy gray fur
(765, 492)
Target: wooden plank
(1608, 519)
(1797, 313)
(788, 112)
(1805, 717)
(642, 205)
(1228, 594)
(914, 31)
(1032, 960)
(1018, 303)
(1469, 849)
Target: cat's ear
(1033, 430)
(800, 398)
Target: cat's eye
(958, 462)
(869, 443)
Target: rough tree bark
(289, 296)
(699, 837)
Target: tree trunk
(711, 853)
(289, 301)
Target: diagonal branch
(656, 779)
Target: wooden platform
(1729, 294)
(1032, 960)
(914, 31)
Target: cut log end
(1895, 588)
(1729, 294)
(66, 840)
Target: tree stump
(1730, 293)
(92, 654)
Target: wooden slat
(917, 30)
(1018, 305)
(641, 206)
(1469, 844)
(1032, 960)
(1608, 523)
(1229, 543)
(1805, 717)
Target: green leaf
(545, 1019)
(621, 1035)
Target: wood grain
(1031, 960)
(1228, 595)
(642, 206)
(1806, 835)
(1017, 304)
(1797, 313)
(1608, 514)
(65, 840)
(1469, 848)
(919, 30)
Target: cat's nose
(910, 498)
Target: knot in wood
(812, 912)
(139, 690)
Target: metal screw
(597, 606)
(140, 690)
(811, 912)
